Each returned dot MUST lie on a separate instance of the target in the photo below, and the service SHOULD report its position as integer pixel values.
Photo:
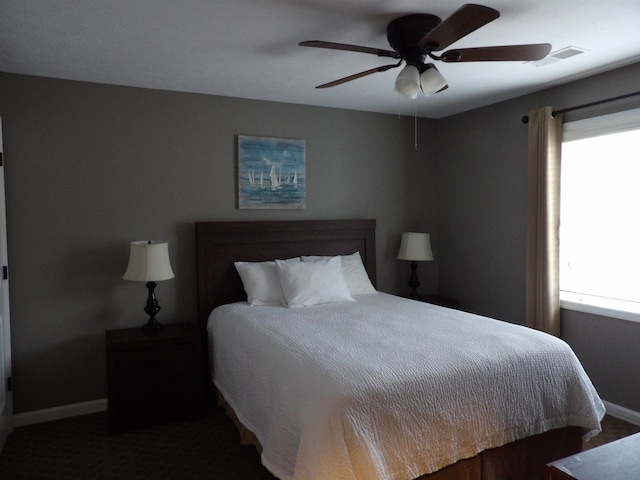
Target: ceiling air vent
(558, 55)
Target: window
(600, 216)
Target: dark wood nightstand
(617, 460)
(437, 300)
(154, 377)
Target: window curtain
(543, 221)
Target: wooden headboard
(219, 244)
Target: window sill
(579, 305)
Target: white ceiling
(249, 48)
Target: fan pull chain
(415, 121)
(415, 124)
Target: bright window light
(600, 221)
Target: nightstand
(437, 300)
(154, 377)
(618, 460)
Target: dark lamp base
(152, 326)
(414, 283)
(151, 309)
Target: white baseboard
(58, 413)
(622, 413)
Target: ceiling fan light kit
(414, 38)
(410, 81)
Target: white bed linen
(389, 388)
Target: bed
(372, 441)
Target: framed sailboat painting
(271, 173)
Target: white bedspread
(389, 388)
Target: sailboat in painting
(251, 178)
(273, 177)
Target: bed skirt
(520, 460)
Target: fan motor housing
(404, 34)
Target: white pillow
(261, 281)
(354, 273)
(313, 283)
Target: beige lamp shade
(415, 247)
(148, 262)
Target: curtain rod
(525, 119)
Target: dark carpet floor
(80, 448)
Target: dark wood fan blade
(521, 53)
(461, 23)
(349, 48)
(355, 76)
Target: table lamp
(415, 247)
(149, 262)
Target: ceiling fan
(414, 38)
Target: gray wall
(608, 349)
(482, 194)
(90, 168)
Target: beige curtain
(543, 221)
